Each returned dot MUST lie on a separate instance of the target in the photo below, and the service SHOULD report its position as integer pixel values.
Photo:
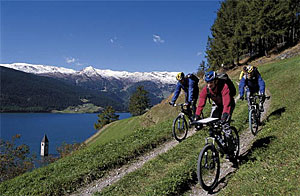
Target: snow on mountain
(38, 69)
(162, 77)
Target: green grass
(273, 165)
(263, 171)
(85, 108)
(171, 172)
(91, 163)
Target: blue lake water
(59, 128)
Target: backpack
(226, 80)
(193, 77)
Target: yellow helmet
(249, 68)
(180, 76)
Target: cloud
(114, 42)
(158, 39)
(70, 60)
(199, 53)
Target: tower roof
(45, 139)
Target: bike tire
(253, 126)
(236, 142)
(208, 172)
(180, 128)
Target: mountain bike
(181, 125)
(254, 112)
(223, 140)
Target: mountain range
(116, 86)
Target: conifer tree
(139, 101)
(105, 117)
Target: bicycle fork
(210, 165)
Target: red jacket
(220, 95)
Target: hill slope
(169, 174)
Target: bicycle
(223, 139)
(180, 125)
(254, 112)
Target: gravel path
(113, 176)
(116, 174)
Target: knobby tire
(208, 167)
(180, 130)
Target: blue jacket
(254, 85)
(190, 88)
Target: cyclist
(219, 92)
(189, 84)
(254, 83)
(222, 95)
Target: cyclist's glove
(224, 118)
(187, 104)
(171, 103)
(197, 117)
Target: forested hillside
(27, 92)
(250, 29)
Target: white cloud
(158, 39)
(114, 41)
(199, 53)
(70, 60)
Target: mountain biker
(223, 101)
(254, 83)
(189, 84)
(219, 92)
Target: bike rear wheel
(208, 167)
(253, 124)
(180, 128)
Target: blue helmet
(209, 76)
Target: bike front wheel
(180, 128)
(235, 142)
(253, 124)
(208, 167)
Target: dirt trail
(246, 140)
(113, 176)
(116, 174)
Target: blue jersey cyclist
(189, 84)
(254, 83)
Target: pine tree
(139, 101)
(105, 117)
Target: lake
(59, 128)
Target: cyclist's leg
(248, 94)
(216, 112)
(261, 103)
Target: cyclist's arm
(242, 86)
(241, 75)
(191, 90)
(226, 99)
(202, 101)
(177, 92)
(261, 84)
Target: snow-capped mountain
(162, 77)
(118, 84)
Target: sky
(132, 36)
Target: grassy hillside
(273, 157)
(270, 168)
(273, 165)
